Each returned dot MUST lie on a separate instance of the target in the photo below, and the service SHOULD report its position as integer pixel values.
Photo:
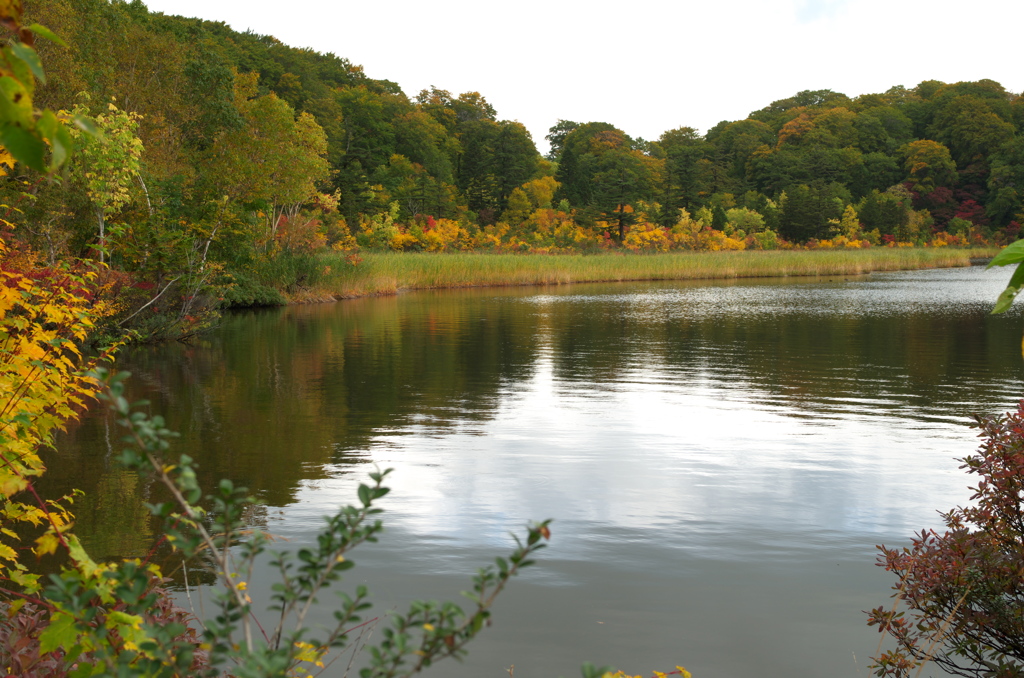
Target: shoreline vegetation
(240, 172)
(388, 273)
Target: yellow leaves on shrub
(403, 241)
(44, 317)
(836, 243)
(307, 652)
(436, 235)
(129, 627)
(647, 238)
(680, 671)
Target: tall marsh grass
(388, 273)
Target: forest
(226, 160)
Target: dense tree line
(208, 96)
(951, 149)
(233, 150)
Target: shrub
(23, 632)
(45, 318)
(246, 291)
(960, 594)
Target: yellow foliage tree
(541, 191)
(106, 165)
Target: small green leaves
(61, 143)
(85, 124)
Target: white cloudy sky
(645, 66)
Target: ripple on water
(720, 459)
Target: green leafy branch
(443, 629)
(234, 637)
(26, 133)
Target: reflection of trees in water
(113, 520)
(923, 361)
(276, 395)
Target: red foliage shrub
(19, 638)
(963, 589)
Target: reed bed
(390, 273)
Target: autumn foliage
(47, 316)
(554, 231)
(227, 163)
(960, 592)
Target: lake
(719, 459)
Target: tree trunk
(103, 235)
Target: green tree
(775, 114)
(687, 179)
(876, 171)
(928, 165)
(556, 137)
(1006, 182)
(618, 175)
(808, 209)
(426, 142)
(831, 128)
(519, 208)
(887, 211)
(969, 128)
(368, 144)
(497, 158)
(107, 165)
(882, 129)
(574, 180)
(212, 86)
(745, 219)
(274, 163)
(415, 189)
(515, 158)
(735, 145)
(454, 111)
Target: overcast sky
(646, 66)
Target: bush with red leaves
(19, 638)
(960, 594)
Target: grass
(392, 272)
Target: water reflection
(719, 458)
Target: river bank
(344, 276)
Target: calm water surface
(719, 459)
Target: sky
(645, 66)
